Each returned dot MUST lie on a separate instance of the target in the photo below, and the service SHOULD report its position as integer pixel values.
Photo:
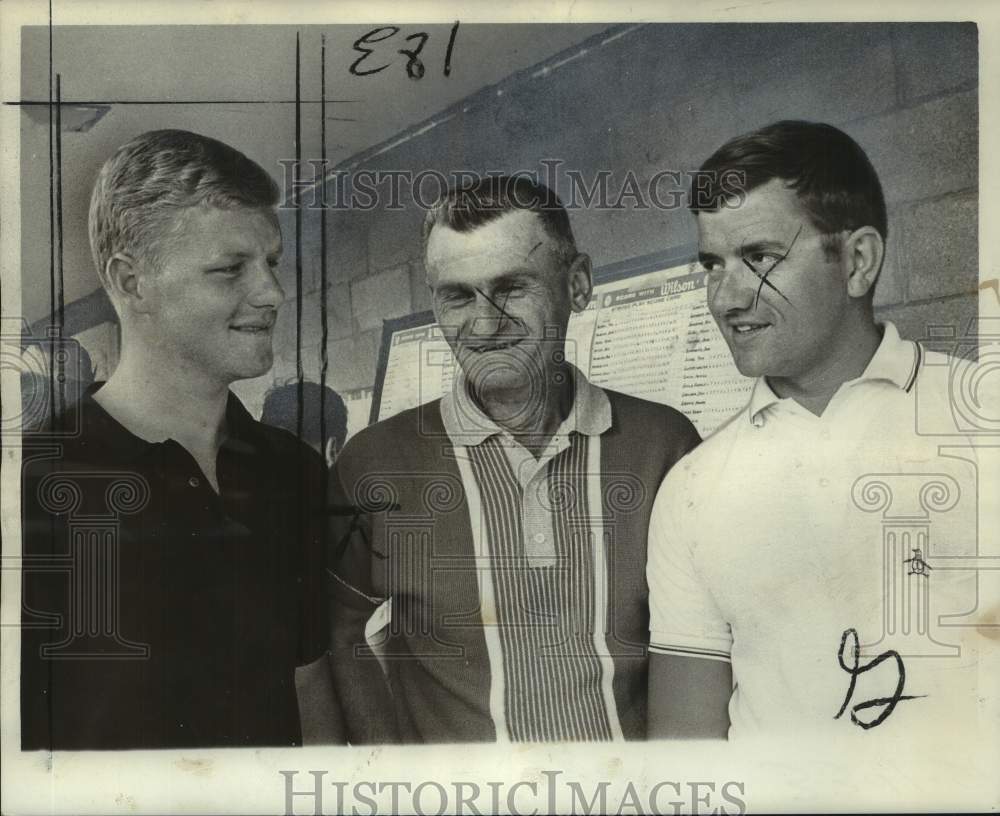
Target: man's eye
(712, 267)
(762, 261)
(229, 270)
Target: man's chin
(509, 402)
(748, 370)
(254, 369)
(749, 365)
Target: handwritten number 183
(414, 65)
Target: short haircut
(281, 411)
(830, 173)
(156, 175)
(473, 205)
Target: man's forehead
(771, 212)
(515, 238)
(237, 229)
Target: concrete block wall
(663, 97)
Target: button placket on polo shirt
(820, 438)
(536, 504)
(184, 480)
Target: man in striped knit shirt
(500, 531)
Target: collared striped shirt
(544, 565)
(508, 591)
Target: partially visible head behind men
(324, 415)
(832, 176)
(149, 180)
(476, 204)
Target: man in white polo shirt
(799, 560)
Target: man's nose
(487, 317)
(733, 290)
(266, 292)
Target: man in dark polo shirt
(173, 591)
(498, 538)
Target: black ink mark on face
(855, 669)
(533, 249)
(504, 316)
(763, 275)
(503, 310)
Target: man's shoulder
(396, 439)
(712, 453)
(943, 377)
(649, 432)
(82, 436)
(633, 412)
(949, 395)
(285, 445)
(77, 461)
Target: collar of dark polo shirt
(116, 442)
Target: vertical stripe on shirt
(487, 603)
(552, 619)
(602, 582)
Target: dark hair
(472, 205)
(149, 179)
(831, 174)
(281, 411)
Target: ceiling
(238, 84)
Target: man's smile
(745, 329)
(252, 329)
(256, 326)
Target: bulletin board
(647, 332)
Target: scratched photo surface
(590, 457)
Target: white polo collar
(895, 360)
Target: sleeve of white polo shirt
(684, 619)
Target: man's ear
(125, 278)
(581, 283)
(330, 451)
(862, 255)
